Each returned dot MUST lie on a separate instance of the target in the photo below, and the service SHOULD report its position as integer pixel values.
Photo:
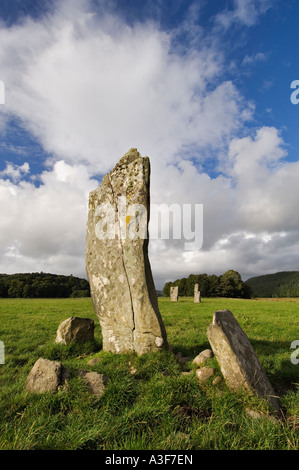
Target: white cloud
(42, 228)
(15, 172)
(250, 214)
(255, 58)
(244, 12)
(89, 89)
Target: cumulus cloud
(250, 217)
(42, 228)
(15, 172)
(89, 87)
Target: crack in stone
(123, 262)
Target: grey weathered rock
(75, 329)
(46, 376)
(197, 298)
(237, 359)
(174, 293)
(117, 263)
(205, 373)
(203, 357)
(95, 382)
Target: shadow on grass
(282, 373)
(56, 352)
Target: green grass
(156, 408)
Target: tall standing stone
(197, 298)
(174, 293)
(237, 359)
(117, 263)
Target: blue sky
(202, 87)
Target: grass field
(157, 407)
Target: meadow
(156, 407)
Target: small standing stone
(174, 293)
(75, 329)
(197, 298)
(237, 359)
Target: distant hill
(281, 284)
(42, 285)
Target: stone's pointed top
(222, 315)
(129, 157)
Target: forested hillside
(42, 285)
(281, 284)
(229, 284)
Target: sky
(201, 87)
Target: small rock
(205, 373)
(94, 361)
(46, 376)
(95, 382)
(203, 357)
(187, 373)
(75, 329)
(258, 415)
(253, 413)
(133, 370)
(217, 380)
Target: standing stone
(174, 293)
(237, 359)
(197, 298)
(117, 264)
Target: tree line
(42, 285)
(229, 284)
(281, 284)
